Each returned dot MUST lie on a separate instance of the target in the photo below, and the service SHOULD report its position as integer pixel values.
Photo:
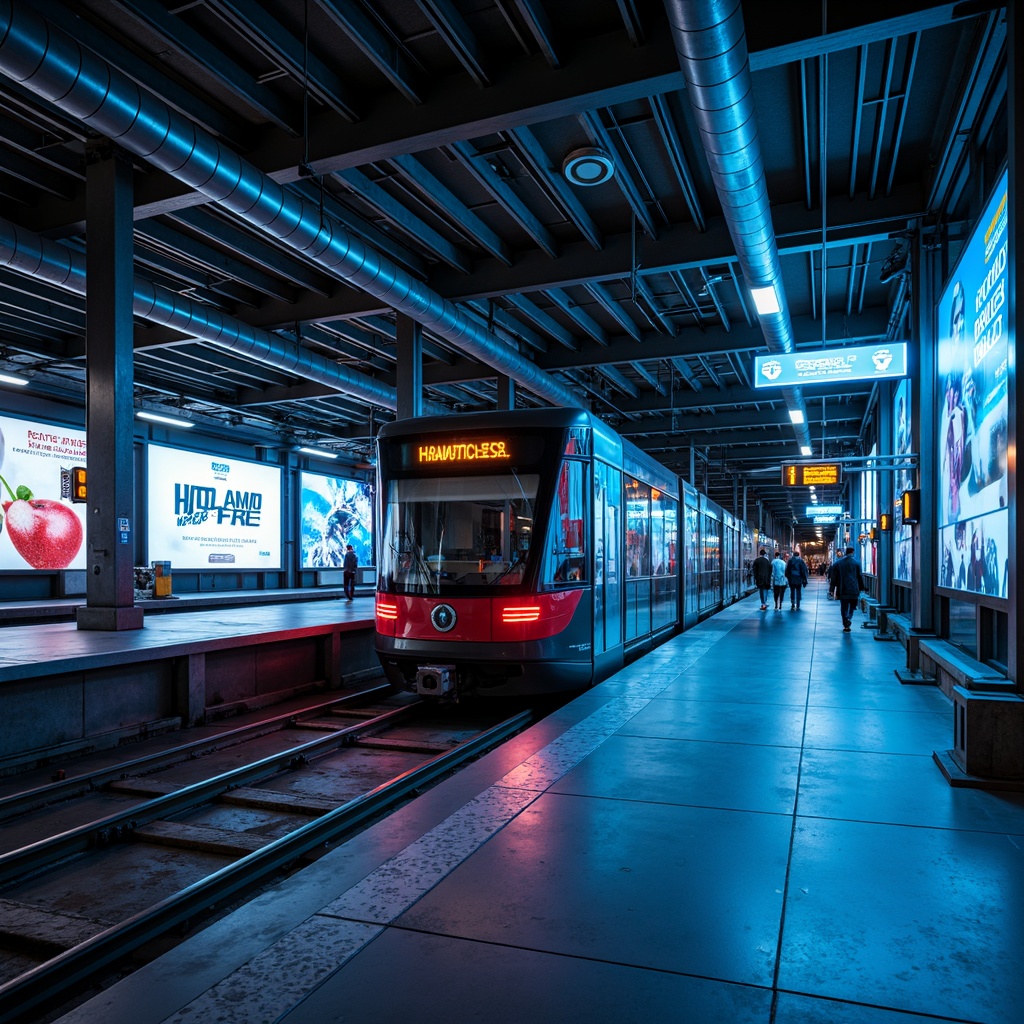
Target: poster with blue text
(973, 333)
(903, 447)
(212, 512)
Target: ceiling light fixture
(796, 415)
(766, 300)
(588, 166)
(8, 378)
(171, 421)
(318, 452)
(805, 449)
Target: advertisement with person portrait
(335, 512)
(40, 528)
(902, 446)
(973, 333)
(212, 512)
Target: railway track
(198, 828)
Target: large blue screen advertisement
(335, 513)
(973, 332)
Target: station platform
(746, 826)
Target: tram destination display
(211, 512)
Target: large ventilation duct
(37, 257)
(711, 45)
(53, 65)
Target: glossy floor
(747, 826)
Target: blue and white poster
(212, 512)
(973, 333)
(336, 512)
(903, 446)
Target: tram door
(607, 566)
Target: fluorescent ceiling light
(171, 421)
(796, 415)
(7, 378)
(318, 452)
(766, 300)
(805, 449)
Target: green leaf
(23, 493)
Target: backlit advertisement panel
(973, 332)
(903, 445)
(39, 529)
(212, 512)
(335, 513)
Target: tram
(534, 551)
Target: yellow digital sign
(803, 474)
(462, 451)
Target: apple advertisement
(903, 446)
(212, 512)
(335, 513)
(973, 334)
(39, 529)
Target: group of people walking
(845, 581)
(777, 575)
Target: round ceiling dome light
(588, 167)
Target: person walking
(779, 579)
(762, 572)
(846, 582)
(348, 568)
(796, 574)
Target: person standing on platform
(779, 579)
(796, 574)
(846, 582)
(762, 570)
(348, 568)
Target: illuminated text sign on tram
(462, 451)
(803, 474)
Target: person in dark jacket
(348, 568)
(846, 582)
(796, 577)
(762, 570)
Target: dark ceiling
(435, 132)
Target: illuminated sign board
(824, 520)
(462, 451)
(335, 512)
(40, 528)
(823, 510)
(803, 474)
(212, 511)
(971, 438)
(823, 366)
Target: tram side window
(638, 526)
(567, 550)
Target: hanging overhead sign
(803, 474)
(823, 366)
(823, 510)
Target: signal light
(885, 522)
(520, 613)
(387, 610)
(911, 507)
(78, 492)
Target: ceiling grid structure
(433, 137)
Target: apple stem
(8, 486)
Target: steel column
(110, 522)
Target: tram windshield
(456, 531)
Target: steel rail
(33, 858)
(49, 981)
(40, 796)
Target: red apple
(44, 532)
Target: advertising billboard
(902, 445)
(335, 513)
(212, 512)
(825, 366)
(40, 529)
(973, 348)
